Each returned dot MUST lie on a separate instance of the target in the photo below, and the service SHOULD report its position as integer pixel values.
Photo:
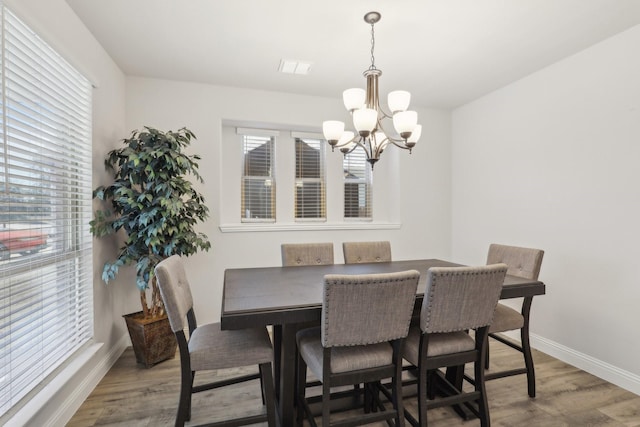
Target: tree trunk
(143, 302)
(156, 308)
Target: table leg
(287, 374)
(277, 355)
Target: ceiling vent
(293, 66)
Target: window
(357, 185)
(46, 307)
(310, 184)
(322, 189)
(258, 180)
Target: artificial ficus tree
(154, 203)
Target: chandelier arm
(368, 151)
(344, 144)
(400, 144)
(384, 113)
(395, 141)
(346, 151)
(380, 147)
(358, 141)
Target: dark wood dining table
(287, 297)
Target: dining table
(289, 297)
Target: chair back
(461, 298)
(522, 262)
(175, 291)
(367, 308)
(294, 254)
(366, 252)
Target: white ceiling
(445, 52)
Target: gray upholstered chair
(208, 347)
(299, 254)
(366, 252)
(345, 349)
(456, 300)
(522, 262)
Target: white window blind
(310, 182)
(46, 307)
(258, 179)
(357, 185)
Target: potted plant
(157, 207)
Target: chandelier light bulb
(398, 100)
(365, 120)
(404, 122)
(332, 130)
(415, 136)
(353, 98)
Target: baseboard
(624, 379)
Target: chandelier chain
(373, 45)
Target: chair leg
(431, 390)
(482, 336)
(266, 385)
(528, 361)
(423, 386)
(326, 403)
(398, 405)
(301, 381)
(486, 355)
(368, 399)
(264, 402)
(184, 402)
(483, 406)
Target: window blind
(310, 182)
(357, 185)
(46, 306)
(258, 179)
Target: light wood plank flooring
(132, 396)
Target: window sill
(307, 226)
(57, 389)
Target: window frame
(367, 181)
(258, 135)
(321, 179)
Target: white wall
(57, 24)
(552, 161)
(549, 161)
(419, 184)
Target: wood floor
(132, 396)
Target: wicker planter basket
(153, 340)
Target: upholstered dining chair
(346, 350)
(210, 348)
(522, 262)
(299, 254)
(366, 252)
(456, 300)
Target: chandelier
(368, 116)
